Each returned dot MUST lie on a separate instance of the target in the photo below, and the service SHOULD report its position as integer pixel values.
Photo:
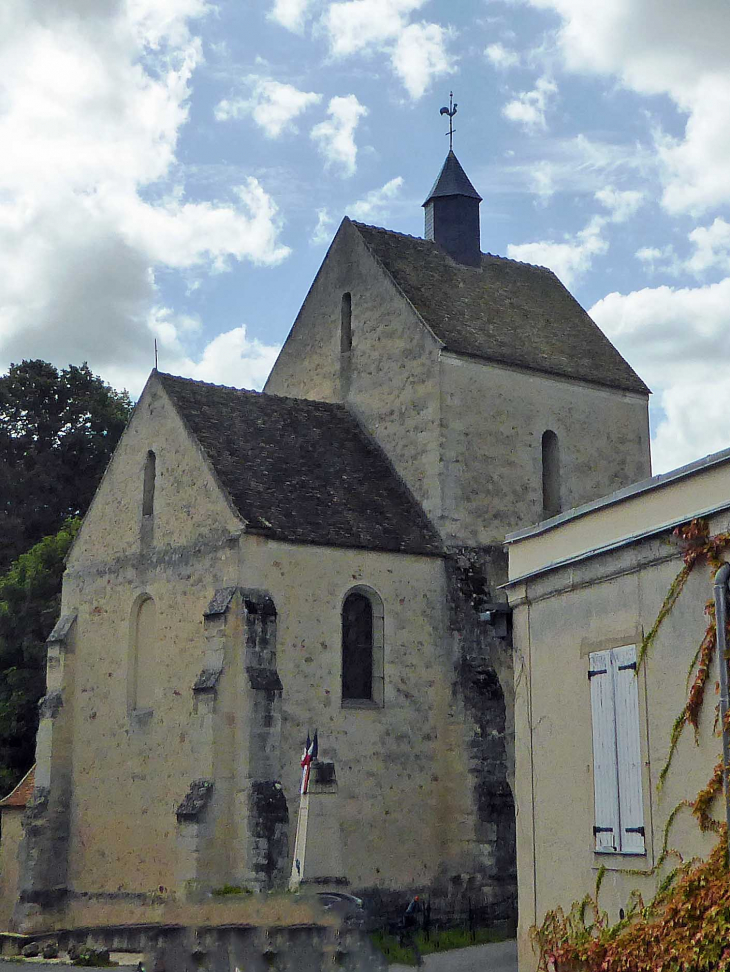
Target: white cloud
(676, 338)
(186, 235)
(664, 259)
(420, 55)
(541, 178)
(323, 230)
(356, 25)
(502, 57)
(335, 137)
(712, 247)
(664, 47)
(622, 204)
(569, 259)
(528, 107)
(93, 99)
(290, 13)
(376, 204)
(273, 105)
(650, 254)
(417, 51)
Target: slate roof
(507, 312)
(300, 470)
(452, 181)
(22, 793)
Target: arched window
(362, 647)
(142, 673)
(550, 474)
(148, 493)
(346, 324)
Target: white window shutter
(628, 745)
(605, 776)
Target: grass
(229, 889)
(440, 940)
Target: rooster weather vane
(450, 111)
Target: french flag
(311, 748)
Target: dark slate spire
(452, 214)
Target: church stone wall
(493, 419)
(11, 821)
(143, 817)
(390, 376)
(131, 769)
(401, 803)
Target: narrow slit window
(346, 324)
(148, 495)
(550, 474)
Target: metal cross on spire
(450, 111)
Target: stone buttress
(44, 848)
(233, 823)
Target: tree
(30, 598)
(58, 430)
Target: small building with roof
(594, 713)
(12, 808)
(324, 555)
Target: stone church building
(325, 554)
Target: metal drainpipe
(720, 592)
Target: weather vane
(450, 111)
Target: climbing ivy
(686, 927)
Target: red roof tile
(22, 792)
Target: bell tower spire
(452, 207)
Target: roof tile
(22, 793)
(301, 470)
(507, 312)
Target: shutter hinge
(602, 830)
(598, 671)
(623, 668)
(635, 830)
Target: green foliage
(230, 889)
(91, 959)
(439, 940)
(58, 430)
(30, 595)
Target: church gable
(354, 318)
(157, 490)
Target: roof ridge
(432, 243)
(246, 391)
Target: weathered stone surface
(196, 800)
(269, 824)
(207, 680)
(49, 705)
(61, 628)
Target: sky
(176, 169)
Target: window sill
(361, 704)
(614, 853)
(621, 860)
